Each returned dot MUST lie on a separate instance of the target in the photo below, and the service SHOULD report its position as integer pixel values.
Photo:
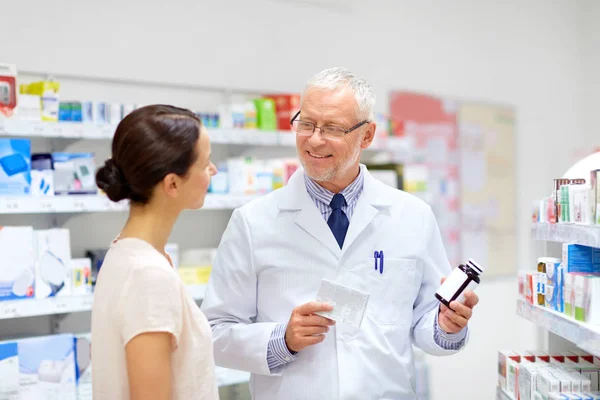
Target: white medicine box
(17, 263)
(53, 263)
(47, 368)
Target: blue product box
(47, 366)
(581, 259)
(15, 167)
(9, 365)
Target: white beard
(338, 169)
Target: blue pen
(381, 262)
(376, 256)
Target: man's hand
(305, 328)
(455, 319)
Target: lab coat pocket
(392, 293)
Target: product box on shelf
(53, 260)
(83, 365)
(595, 184)
(286, 105)
(9, 371)
(569, 294)
(581, 259)
(74, 173)
(48, 91)
(505, 360)
(266, 118)
(587, 299)
(547, 382)
(17, 263)
(554, 287)
(42, 174)
(8, 90)
(81, 276)
(47, 368)
(97, 257)
(530, 287)
(242, 175)
(15, 167)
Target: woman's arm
(148, 358)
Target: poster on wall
(488, 188)
(430, 125)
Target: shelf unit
(99, 203)
(63, 305)
(83, 131)
(587, 235)
(55, 307)
(584, 336)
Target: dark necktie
(338, 221)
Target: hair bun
(110, 179)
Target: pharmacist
(328, 222)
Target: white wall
(524, 54)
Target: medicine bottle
(465, 277)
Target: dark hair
(149, 144)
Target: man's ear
(369, 135)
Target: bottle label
(452, 284)
(470, 287)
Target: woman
(150, 340)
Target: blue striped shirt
(278, 353)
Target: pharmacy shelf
(49, 306)
(78, 130)
(582, 335)
(587, 235)
(64, 305)
(501, 394)
(98, 203)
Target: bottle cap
(473, 264)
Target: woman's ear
(171, 184)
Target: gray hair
(333, 78)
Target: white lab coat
(271, 259)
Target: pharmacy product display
(529, 375)
(569, 285)
(574, 201)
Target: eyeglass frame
(346, 131)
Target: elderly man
(328, 223)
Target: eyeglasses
(305, 128)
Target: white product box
(17, 263)
(587, 299)
(528, 380)
(504, 360)
(83, 366)
(81, 276)
(47, 368)
(242, 176)
(547, 382)
(9, 371)
(53, 260)
(42, 182)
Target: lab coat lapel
(371, 202)
(309, 218)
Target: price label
(46, 205)
(37, 129)
(79, 205)
(10, 312)
(87, 303)
(61, 305)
